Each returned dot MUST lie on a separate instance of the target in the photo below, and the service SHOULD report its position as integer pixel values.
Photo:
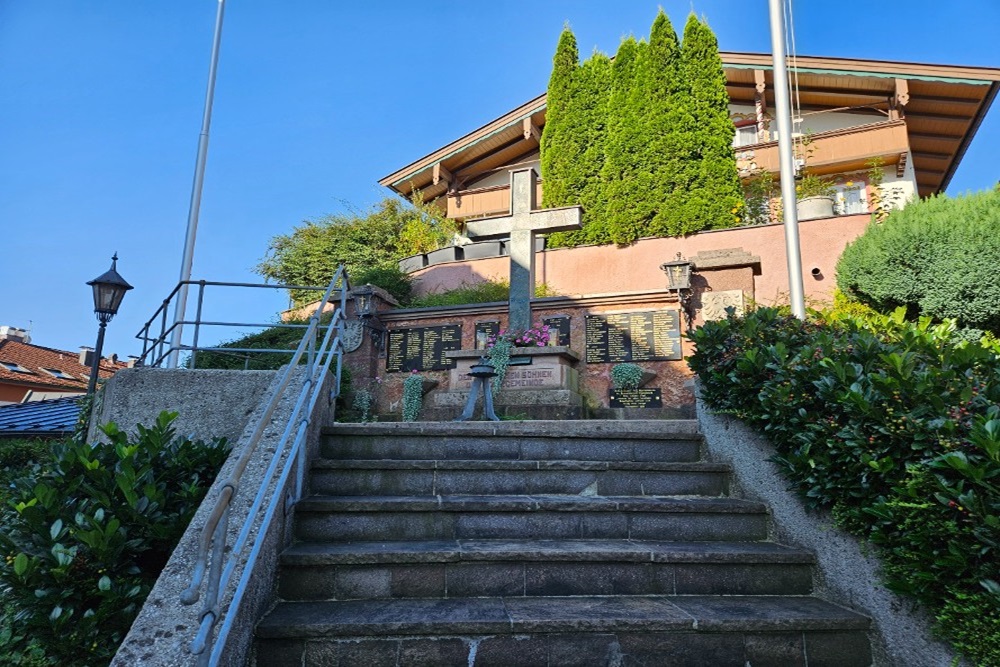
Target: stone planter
(449, 254)
(412, 263)
(811, 208)
(482, 249)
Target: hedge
(937, 257)
(892, 426)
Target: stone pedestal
(541, 383)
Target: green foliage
(626, 376)
(585, 138)
(709, 196)
(625, 174)
(759, 190)
(487, 291)
(894, 426)
(499, 354)
(644, 144)
(390, 278)
(363, 403)
(274, 338)
(361, 240)
(936, 257)
(811, 185)
(85, 538)
(413, 396)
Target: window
(55, 372)
(746, 133)
(850, 198)
(11, 366)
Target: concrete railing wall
(213, 403)
(847, 571)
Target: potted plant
(814, 197)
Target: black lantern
(366, 307)
(679, 279)
(678, 273)
(109, 290)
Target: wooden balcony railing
(483, 202)
(837, 150)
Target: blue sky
(101, 103)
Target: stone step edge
(444, 616)
(519, 465)
(587, 429)
(530, 503)
(318, 554)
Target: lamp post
(109, 290)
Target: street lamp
(109, 290)
(679, 279)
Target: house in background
(916, 120)
(32, 372)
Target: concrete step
(694, 631)
(657, 440)
(395, 518)
(354, 477)
(485, 568)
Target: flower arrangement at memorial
(413, 396)
(626, 376)
(498, 347)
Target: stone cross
(521, 225)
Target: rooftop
(40, 367)
(946, 105)
(40, 418)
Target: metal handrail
(213, 540)
(158, 347)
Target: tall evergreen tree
(588, 107)
(715, 197)
(668, 122)
(559, 148)
(626, 174)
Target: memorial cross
(521, 225)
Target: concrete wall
(611, 269)
(162, 633)
(847, 572)
(209, 403)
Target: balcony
(835, 151)
(482, 202)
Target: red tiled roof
(35, 358)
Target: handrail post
(197, 322)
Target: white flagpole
(199, 178)
(793, 252)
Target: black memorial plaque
(646, 336)
(422, 349)
(485, 330)
(635, 398)
(559, 327)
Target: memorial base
(543, 386)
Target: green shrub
(894, 426)
(486, 291)
(626, 376)
(86, 537)
(936, 257)
(390, 278)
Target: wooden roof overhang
(942, 105)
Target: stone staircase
(541, 543)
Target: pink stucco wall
(610, 269)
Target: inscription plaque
(484, 330)
(559, 329)
(644, 336)
(422, 349)
(635, 398)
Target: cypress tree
(715, 197)
(668, 120)
(626, 174)
(558, 148)
(588, 108)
